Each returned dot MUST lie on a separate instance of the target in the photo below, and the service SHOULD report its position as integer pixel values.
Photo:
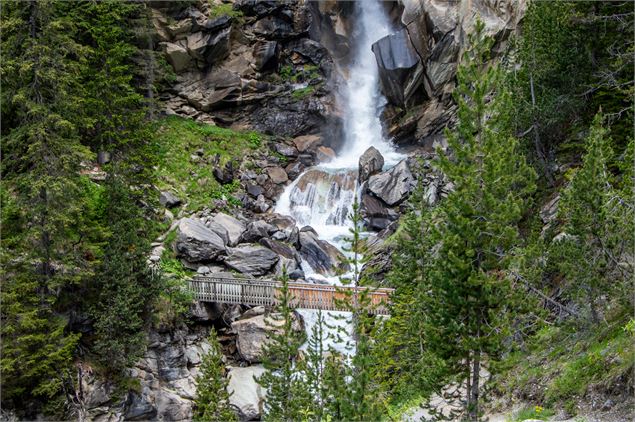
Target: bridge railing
(304, 295)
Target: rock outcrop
(251, 259)
(394, 185)
(197, 243)
(370, 163)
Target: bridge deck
(304, 295)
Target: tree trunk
(474, 391)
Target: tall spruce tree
(467, 292)
(287, 396)
(212, 397)
(125, 286)
(42, 152)
(598, 233)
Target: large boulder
(197, 243)
(400, 68)
(393, 186)
(307, 142)
(256, 230)
(377, 215)
(277, 175)
(371, 162)
(234, 227)
(251, 259)
(321, 255)
(245, 393)
(209, 48)
(254, 332)
(264, 54)
(177, 56)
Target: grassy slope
(178, 139)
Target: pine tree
(42, 153)
(311, 369)
(287, 395)
(212, 397)
(467, 292)
(591, 253)
(125, 286)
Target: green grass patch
(178, 139)
(301, 93)
(224, 9)
(567, 361)
(534, 412)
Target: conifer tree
(312, 369)
(51, 252)
(124, 286)
(475, 227)
(212, 397)
(597, 230)
(287, 395)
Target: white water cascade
(323, 195)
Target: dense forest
(500, 297)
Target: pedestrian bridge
(303, 295)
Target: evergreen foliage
(51, 251)
(287, 396)
(212, 397)
(598, 228)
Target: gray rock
(251, 259)
(394, 185)
(264, 54)
(234, 227)
(307, 142)
(377, 215)
(140, 408)
(245, 393)
(324, 154)
(273, 28)
(370, 163)
(286, 150)
(280, 235)
(254, 333)
(209, 48)
(254, 190)
(256, 230)
(196, 242)
(400, 68)
(168, 199)
(294, 169)
(177, 56)
(321, 255)
(277, 175)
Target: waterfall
(323, 195)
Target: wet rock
(254, 332)
(394, 185)
(168, 199)
(324, 154)
(251, 259)
(307, 142)
(196, 242)
(311, 50)
(371, 162)
(294, 169)
(261, 205)
(296, 274)
(400, 68)
(321, 255)
(277, 175)
(177, 56)
(245, 393)
(234, 227)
